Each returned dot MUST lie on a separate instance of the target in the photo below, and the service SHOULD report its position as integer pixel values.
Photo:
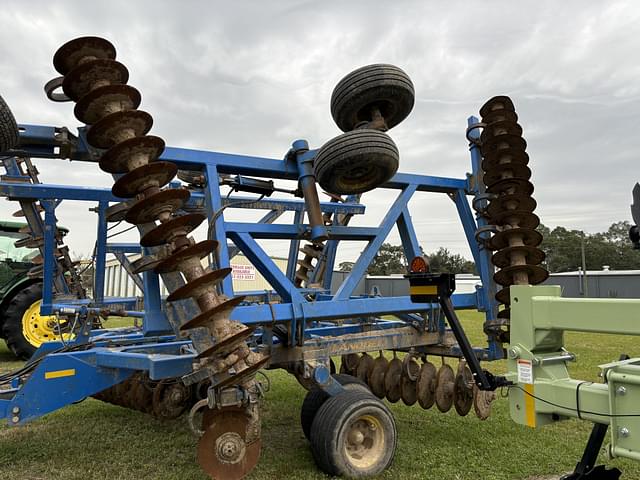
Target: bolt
(15, 419)
(513, 353)
(621, 390)
(624, 432)
(15, 410)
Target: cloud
(251, 77)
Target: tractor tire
(316, 397)
(385, 86)
(13, 325)
(353, 435)
(356, 162)
(9, 136)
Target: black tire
(332, 432)
(385, 86)
(316, 397)
(8, 128)
(12, 325)
(356, 162)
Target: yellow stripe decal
(424, 290)
(59, 373)
(529, 405)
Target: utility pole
(585, 290)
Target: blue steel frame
(113, 355)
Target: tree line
(564, 250)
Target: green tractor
(21, 325)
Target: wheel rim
(38, 329)
(364, 442)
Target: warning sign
(243, 272)
(525, 371)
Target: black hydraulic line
(484, 379)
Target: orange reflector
(419, 265)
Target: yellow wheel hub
(364, 442)
(38, 329)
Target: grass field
(94, 440)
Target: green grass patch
(94, 440)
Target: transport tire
(353, 435)
(316, 397)
(9, 136)
(384, 86)
(356, 162)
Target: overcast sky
(251, 77)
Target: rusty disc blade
(177, 226)
(463, 391)
(426, 386)
(502, 127)
(365, 365)
(131, 153)
(170, 399)
(117, 212)
(223, 451)
(199, 250)
(506, 170)
(69, 54)
(376, 378)
(83, 78)
(517, 218)
(36, 271)
(506, 156)
(444, 388)
(229, 344)
(119, 125)
(234, 379)
(305, 264)
(314, 251)
(197, 287)
(150, 208)
(151, 175)
(408, 391)
(526, 236)
(408, 384)
(503, 258)
(510, 186)
(145, 396)
(504, 296)
(214, 313)
(497, 103)
(392, 378)
(350, 363)
(536, 274)
(482, 401)
(494, 145)
(501, 115)
(102, 101)
(144, 264)
(20, 213)
(194, 178)
(511, 202)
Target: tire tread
(9, 135)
